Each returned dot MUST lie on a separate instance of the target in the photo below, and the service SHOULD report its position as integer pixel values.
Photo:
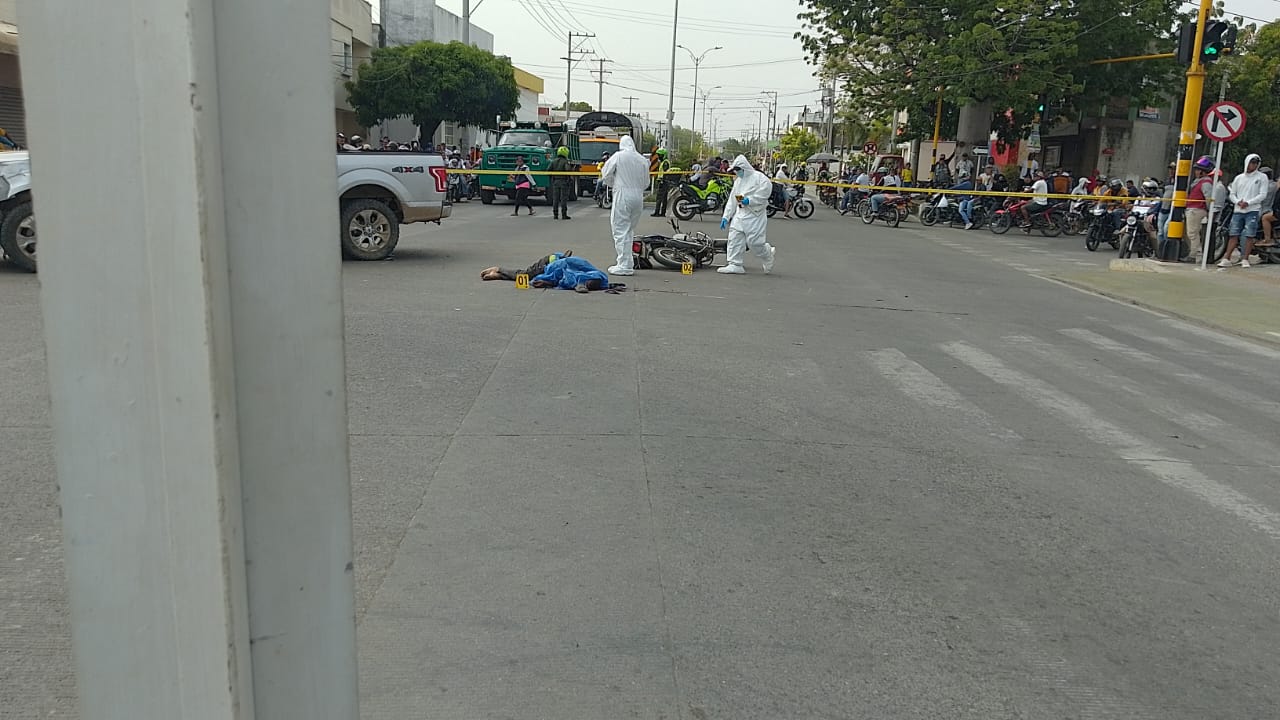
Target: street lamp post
(697, 61)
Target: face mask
(738, 172)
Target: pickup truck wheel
(486, 197)
(18, 236)
(370, 230)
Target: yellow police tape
(817, 183)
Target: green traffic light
(1211, 51)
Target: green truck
(537, 142)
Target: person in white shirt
(1248, 190)
(783, 177)
(964, 166)
(854, 194)
(890, 181)
(1030, 170)
(1039, 200)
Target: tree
(734, 147)
(1013, 54)
(576, 106)
(797, 144)
(1254, 77)
(433, 83)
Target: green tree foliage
(734, 148)
(1254, 76)
(797, 144)
(900, 53)
(576, 106)
(433, 83)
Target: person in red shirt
(1201, 190)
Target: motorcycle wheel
(771, 211)
(860, 208)
(671, 257)
(1126, 245)
(1052, 226)
(894, 217)
(928, 215)
(683, 209)
(1001, 224)
(864, 211)
(1092, 242)
(803, 208)
(1217, 246)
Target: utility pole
(569, 59)
(466, 22)
(630, 102)
(671, 97)
(773, 115)
(602, 72)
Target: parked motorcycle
(1077, 218)
(940, 208)
(1141, 227)
(1101, 229)
(687, 199)
(800, 205)
(892, 210)
(604, 197)
(1048, 221)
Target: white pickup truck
(377, 193)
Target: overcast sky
(759, 52)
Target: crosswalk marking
(928, 389)
(1267, 407)
(1230, 341)
(1209, 426)
(1129, 447)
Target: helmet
(662, 152)
(1150, 187)
(1115, 183)
(562, 151)
(1204, 163)
(356, 140)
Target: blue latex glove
(746, 201)
(724, 223)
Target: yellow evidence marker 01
(522, 281)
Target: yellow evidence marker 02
(686, 268)
(522, 281)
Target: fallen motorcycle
(673, 251)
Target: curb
(1258, 338)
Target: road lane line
(1130, 448)
(1269, 408)
(928, 389)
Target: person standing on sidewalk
(1201, 190)
(561, 184)
(746, 215)
(524, 183)
(1248, 191)
(627, 172)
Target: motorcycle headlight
(1131, 220)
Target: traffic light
(1219, 40)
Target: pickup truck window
(524, 138)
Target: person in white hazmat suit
(627, 172)
(746, 216)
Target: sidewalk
(1235, 300)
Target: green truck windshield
(524, 138)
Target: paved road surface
(901, 477)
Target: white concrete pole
(193, 321)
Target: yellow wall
(528, 81)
